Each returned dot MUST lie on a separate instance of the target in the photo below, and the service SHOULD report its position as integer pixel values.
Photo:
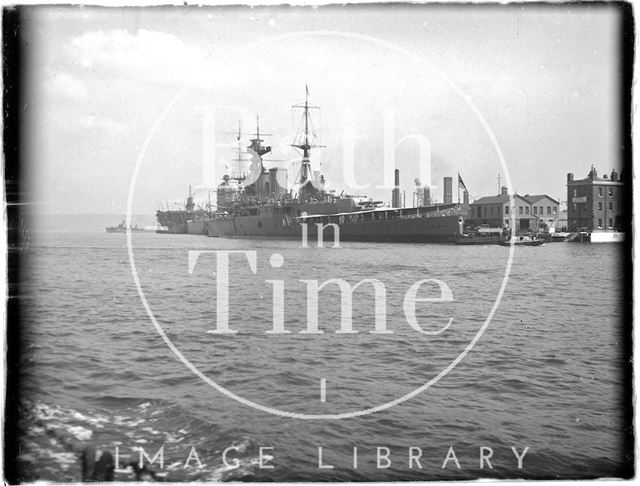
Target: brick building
(530, 212)
(595, 203)
(496, 211)
(546, 209)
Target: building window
(610, 205)
(526, 210)
(610, 192)
(575, 207)
(520, 210)
(506, 222)
(599, 206)
(484, 210)
(548, 209)
(535, 209)
(610, 223)
(575, 192)
(555, 209)
(506, 210)
(599, 223)
(599, 191)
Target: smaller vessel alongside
(481, 236)
(187, 220)
(558, 236)
(522, 240)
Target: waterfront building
(595, 204)
(496, 212)
(546, 209)
(537, 212)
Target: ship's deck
(427, 211)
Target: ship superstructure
(261, 204)
(186, 220)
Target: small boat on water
(480, 236)
(558, 237)
(522, 240)
(466, 239)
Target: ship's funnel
(395, 194)
(448, 190)
(427, 196)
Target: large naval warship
(258, 203)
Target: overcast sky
(544, 78)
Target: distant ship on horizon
(122, 228)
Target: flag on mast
(461, 183)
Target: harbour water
(548, 373)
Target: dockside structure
(532, 213)
(595, 203)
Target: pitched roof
(501, 199)
(534, 198)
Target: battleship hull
(197, 227)
(415, 225)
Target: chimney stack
(614, 175)
(504, 191)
